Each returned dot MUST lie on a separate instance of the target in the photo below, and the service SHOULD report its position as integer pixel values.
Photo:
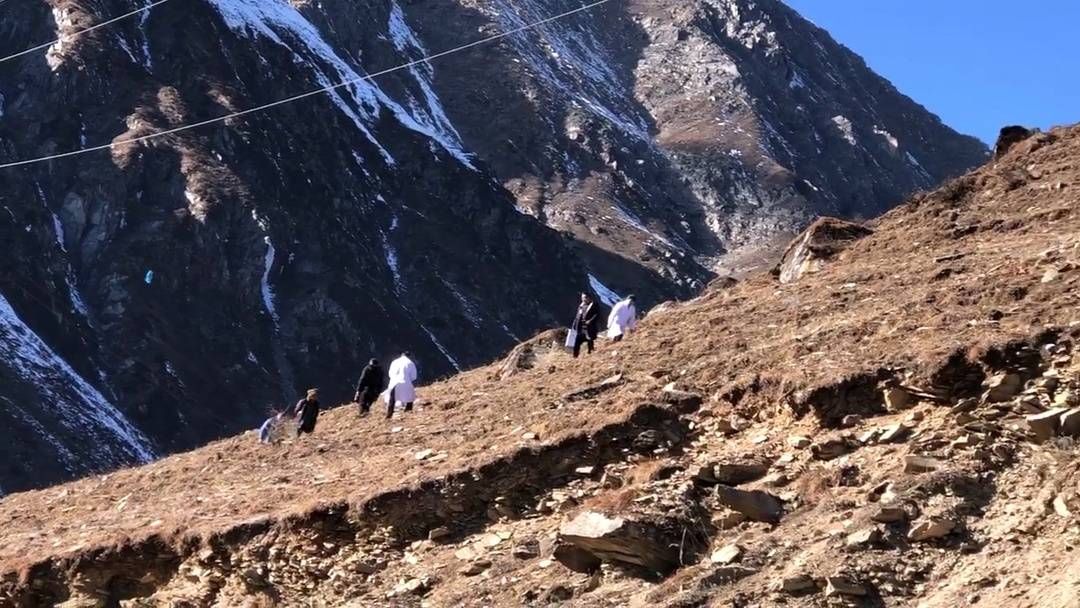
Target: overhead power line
(312, 93)
(86, 30)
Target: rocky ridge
(901, 431)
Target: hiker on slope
(272, 429)
(586, 324)
(370, 385)
(402, 377)
(307, 412)
(622, 320)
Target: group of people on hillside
(586, 325)
(398, 386)
(305, 414)
(401, 387)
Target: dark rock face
(1009, 137)
(161, 294)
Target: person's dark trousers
(393, 402)
(582, 339)
(366, 400)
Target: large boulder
(754, 504)
(525, 355)
(647, 539)
(683, 402)
(1009, 137)
(642, 544)
(819, 243)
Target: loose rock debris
(863, 435)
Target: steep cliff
(160, 294)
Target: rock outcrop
(819, 243)
(639, 543)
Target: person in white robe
(401, 390)
(622, 320)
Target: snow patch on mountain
(431, 119)
(468, 307)
(392, 261)
(77, 301)
(265, 288)
(281, 23)
(58, 232)
(607, 296)
(442, 349)
(568, 57)
(267, 18)
(847, 131)
(79, 406)
(889, 138)
(147, 58)
(914, 162)
(797, 81)
(171, 371)
(630, 219)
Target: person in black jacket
(370, 385)
(586, 323)
(307, 412)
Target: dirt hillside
(892, 426)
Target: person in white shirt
(622, 320)
(402, 376)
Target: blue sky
(978, 64)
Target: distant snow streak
(569, 52)
(432, 120)
(58, 232)
(442, 349)
(265, 288)
(281, 23)
(392, 261)
(632, 220)
(468, 307)
(607, 296)
(78, 405)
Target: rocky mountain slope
(162, 294)
(893, 425)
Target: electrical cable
(86, 30)
(312, 93)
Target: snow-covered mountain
(163, 293)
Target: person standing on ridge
(402, 377)
(622, 320)
(586, 324)
(307, 412)
(370, 385)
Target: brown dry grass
(887, 302)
